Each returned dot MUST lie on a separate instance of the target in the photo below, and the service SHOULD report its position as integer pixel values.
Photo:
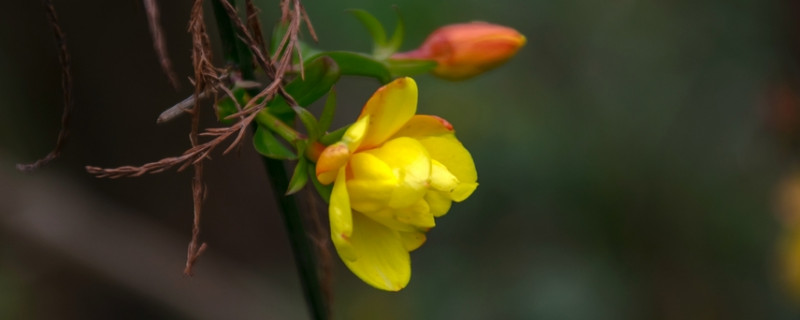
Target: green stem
(226, 33)
(305, 258)
(235, 51)
(284, 130)
(304, 255)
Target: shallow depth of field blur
(629, 158)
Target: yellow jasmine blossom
(392, 173)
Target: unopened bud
(468, 49)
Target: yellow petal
(439, 202)
(330, 160)
(411, 164)
(414, 218)
(418, 215)
(341, 219)
(372, 183)
(441, 178)
(387, 217)
(389, 109)
(463, 191)
(423, 125)
(413, 240)
(383, 260)
(451, 153)
(448, 151)
(438, 137)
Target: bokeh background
(630, 160)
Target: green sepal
(308, 120)
(395, 41)
(324, 191)
(373, 26)
(402, 68)
(269, 146)
(333, 137)
(225, 107)
(326, 118)
(381, 48)
(299, 177)
(359, 64)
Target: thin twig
(308, 23)
(276, 72)
(186, 105)
(285, 9)
(254, 24)
(205, 77)
(159, 41)
(297, 20)
(66, 87)
(256, 104)
(186, 159)
(248, 39)
(208, 82)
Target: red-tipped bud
(468, 49)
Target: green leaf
(321, 73)
(309, 122)
(326, 118)
(334, 136)
(358, 64)
(374, 27)
(225, 106)
(324, 191)
(268, 145)
(400, 68)
(299, 177)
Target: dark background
(628, 162)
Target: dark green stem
(226, 34)
(237, 53)
(304, 255)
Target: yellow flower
(467, 49)
(392, 173)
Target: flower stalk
(237, 53)
(284, 130)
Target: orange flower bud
(468, 49)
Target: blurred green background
(628, 161)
